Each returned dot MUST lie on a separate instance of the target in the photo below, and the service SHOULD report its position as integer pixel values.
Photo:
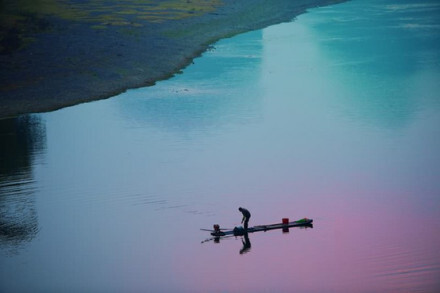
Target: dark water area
(22, 140)
(334, 117)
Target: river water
(335, 117)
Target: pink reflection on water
(356, 245)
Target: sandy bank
(61, 57)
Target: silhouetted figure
(246, 217)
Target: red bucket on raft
(285, 221)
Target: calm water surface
(334, 117)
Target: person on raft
(246, 217)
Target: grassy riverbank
(56, 53)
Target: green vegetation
(20, 18)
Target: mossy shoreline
(56, 56)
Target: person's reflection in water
(246, 244)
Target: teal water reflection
(333, 117)
(390, 60)
(197, 100)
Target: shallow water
(334, 117)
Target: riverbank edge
(176, 45)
